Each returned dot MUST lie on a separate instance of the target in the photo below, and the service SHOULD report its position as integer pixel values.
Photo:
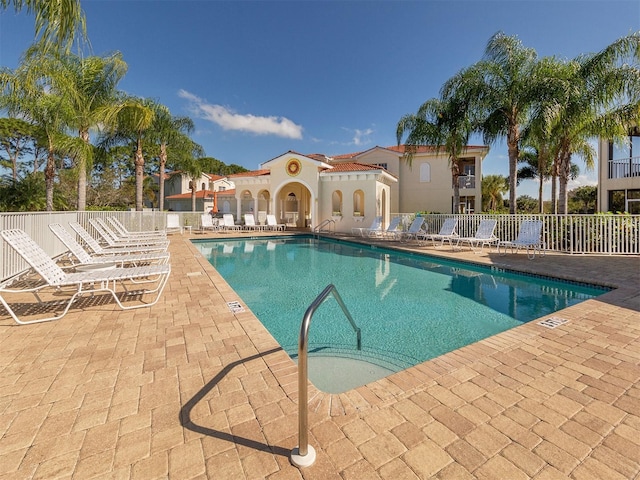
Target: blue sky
(260, 78)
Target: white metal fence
(584, 234)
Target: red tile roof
(252, 173)
(351, 167)
(201, 194)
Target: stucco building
(346, 191)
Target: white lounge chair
(206, 223)
(414, 229)
(78, 255)
(273, 224)
(120, 229)
(111, 239)
(484, 236)
(390, 232)
(447, 233)
(250, 222)
(529, 238)
(101, 280)
(173, 223)
(376, 225)
(98, 249)
(229, 223)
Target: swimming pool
(409, 307)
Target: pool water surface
(410, 307)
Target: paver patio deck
(187, 389)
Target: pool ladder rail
(304, 454)
(327, 225)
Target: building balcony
(466, 181)
(624, 167)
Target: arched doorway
(294, 205)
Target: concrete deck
(188, 390)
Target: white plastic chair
(390, 232)
(273, 224)
(102, 280)
(83, 257)
(414, 230)
(484, 236)
(123, 232)
(250, 222)
(376, 225)
(447, 233)
(173, 223)
(98, 249)
(111, 239)
(206, 223)
(229, 223)
(529, 238)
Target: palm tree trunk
(455, 173)
(163, 162)
(514, 153)
(565, 170)
(554, 187)
(193, 194)
(540, 189)
(82, 175)
(139, 164)
(49, 177)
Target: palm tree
(504, 94)
(128, 125)
(88, 86)
(168, 132)
(602, 98)
(56, 21)
(444, 122)
(493, 186)
(24, 97)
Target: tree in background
(601, 98)
(527, 204)
(583, 199)
(16, 140)
(218, 167)
(504, 96)
(493, 186)
(57, 21)
(88, 87)
(128, 126)
(169, 134)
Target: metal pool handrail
(304, 454)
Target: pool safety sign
(235, 307)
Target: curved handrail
(324, 223)
(304, 454)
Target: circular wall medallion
(294, 167)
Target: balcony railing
(624, 167)
(466, 181)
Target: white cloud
(360, 137)
(230, 120)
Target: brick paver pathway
(189, 390)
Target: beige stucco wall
(436, 194)
(348, 184)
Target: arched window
(336, 203)
(425, 172)
(358, 203)
(203, 186)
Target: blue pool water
(409, 307)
